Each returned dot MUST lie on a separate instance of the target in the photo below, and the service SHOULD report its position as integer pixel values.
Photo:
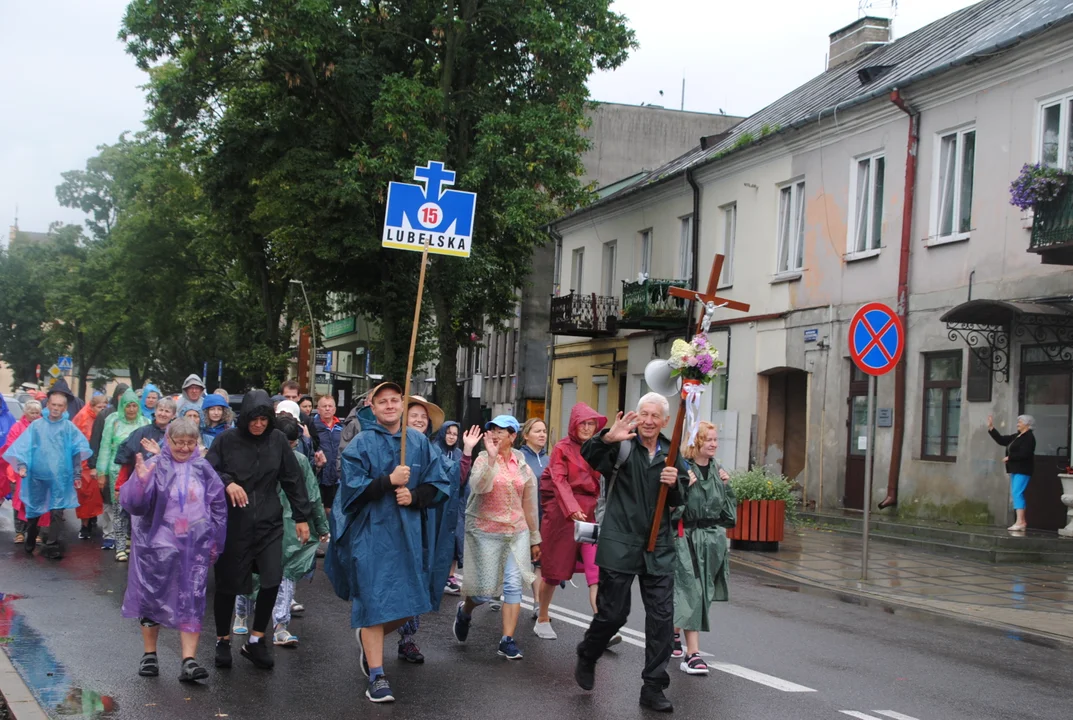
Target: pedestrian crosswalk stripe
(894, 715)
(859, 715)
(758, 677)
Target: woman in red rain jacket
(569, 490)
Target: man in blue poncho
(378, 557)
(49, 458)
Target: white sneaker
(615, 640)
(544, 630)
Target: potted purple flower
(1036, 185)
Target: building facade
(885, 179)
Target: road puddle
(46, 676)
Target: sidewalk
(1032, 598)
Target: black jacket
(1020, 449)
(133, 444)
(98, 424)
(261, 465)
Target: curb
(901, 602)
(21, 703)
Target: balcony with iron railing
(582, 315)
(1052, 229)
(647, 304)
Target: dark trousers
(613, 609)
(223, 608)
(53, 533)
(20, 525)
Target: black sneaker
(652, 697)
(585, 673)
(363, 663)
(258, 654)
(462, 623)
(409, 652)
(223, 654)
(192, 672)
(84, 533)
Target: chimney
(858, 38)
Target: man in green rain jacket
(622, 553)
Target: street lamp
(312, 340)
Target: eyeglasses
(184, 444)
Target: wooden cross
(709, 296)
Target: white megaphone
(659, 380)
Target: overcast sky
(68, 86)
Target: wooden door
(857, 428)
(1046, 393)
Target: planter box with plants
(765, 501)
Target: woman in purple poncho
(179, 511)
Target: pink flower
(691, 361)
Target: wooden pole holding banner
(413, 347)
(680, 420)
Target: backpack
(624, 449)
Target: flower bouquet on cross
(696, 363)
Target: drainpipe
(695, 245)
(554, 235)
(902, 306)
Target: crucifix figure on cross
(710, 302)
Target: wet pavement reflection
(46, 677)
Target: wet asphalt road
(785, 654)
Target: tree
(304, 111)
(23, 317)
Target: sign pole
(868, 456)
(413, 348)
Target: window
(791, 227)
(867, 203)
(600, 381)
(577, 264)
(957, 156)
(978, 384)
(685, 250)
(730, 232)
(610, 262)
(942, 406)
(1055, 139)
(645, 241)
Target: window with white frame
(730, 232)
(644, 242)
(791, 227)
(953, 182)
(867, 204)
(577, 268)
(685, 250)
(1055, 139)
(610, 269)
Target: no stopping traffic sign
(876, 339)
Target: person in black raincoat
(255, 461)
(74, 403)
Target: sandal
(20, 538)
(149, 666)
(121, 556)
(694, 665)
(192, 672)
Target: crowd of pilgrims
(178, 485)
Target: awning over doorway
(987, 327)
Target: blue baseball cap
(507, 422)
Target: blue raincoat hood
(7, 420)
(148, 412)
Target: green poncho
(298, 558)
(117, 429)
(702, 564)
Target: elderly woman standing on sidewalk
(502, 536)
(702, 563)
(1020, 461)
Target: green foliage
(303, 111)
(761, 483)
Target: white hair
(1027, 420)
(657, 399)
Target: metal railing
(650, 301)
(1052, 222)
(586, 315)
